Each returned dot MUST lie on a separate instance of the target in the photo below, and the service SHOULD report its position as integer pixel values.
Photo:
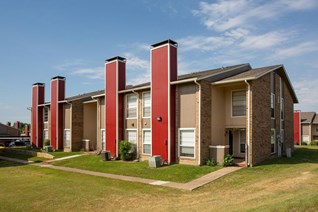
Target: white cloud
(135, 63)
(297, 50)
(230, 14)
(204, 43)
(263, 41)
(307, 94)
(90, 73)
(69, 64)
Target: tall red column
(57, 116)
(115, 82)
(37, 114)
(163, 97)
(297, 127)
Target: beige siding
(131, 123)
(187, 106)
(102, 113)
(90, 124)
(305, 129)
(314, 129)
(67, 116)
(146, 123)
(218, 116)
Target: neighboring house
(7, 131)
(308, 130)
(185, 119)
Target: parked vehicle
(17, 143)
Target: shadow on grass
(19, 157)
(308, 154)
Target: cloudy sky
(40, 39)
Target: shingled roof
(307, 117)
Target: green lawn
(286, 184)
(175, 173)
(22, 157)
(64, 154)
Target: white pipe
(199, 155)
(137, 146)
(248, 122)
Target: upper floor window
(239, 103)
(272, 105)
(46, 114)
(273, 140)
(131, 106)
(146, 105)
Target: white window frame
(273, 105)
(232, 103)
(241, 141)
(146, 129)
(143, 104)
(103, 141)
(64, 138)
(45, 109)
(48, 136)
(272, 129)
(179, 141)
(129, 130)
(126, 107)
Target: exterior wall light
(159, 118)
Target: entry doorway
(230, 142)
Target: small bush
(127, 150)
(47, 142)
(314, 143)
(228, 160)
(211, 162)
(303, 143)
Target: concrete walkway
(197, 183)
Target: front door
(230, 142)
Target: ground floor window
(67, 138)
(46, 134)
(146, 141)
(103, 139)
(186, 142)
(242, 140)
(131, 136)
(273, 140)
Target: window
(131, 136)
(131, 106)
(146, 142)
(272, 105)
(186, 141)
(238, 103)
(316, 128)
(46, 114)
(282, 136)
(46, 134)
(146, 105)
(273, 140)
(67, 138)
(242, 140)
(282, 108)
(103, 139)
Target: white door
(103, 139)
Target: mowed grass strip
(286, 184)
(174, 173)
(22, 157)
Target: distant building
(187, 119)
(7, 130)
(308, 130)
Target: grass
(175, 173)
(64, 154)
(286, 184)
(23, 157)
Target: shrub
(303, 143)
(127, 150)
(211, 162)
(228, 160)
(47, 142)
(314, 143)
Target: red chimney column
(57, 116)
(297, 127)
(26, 130)
(163, 97)
(37, 114)
(115, 81)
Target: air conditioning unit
(155, 161)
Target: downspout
(199, 133)
(137, 122)
(248, 122)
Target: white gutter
(234, 80)
(199, 136)
(137, 122)
(183, 81)
(248, 122)
(134, 89)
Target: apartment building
(306, 127)
(187, 119)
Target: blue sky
(40, 39)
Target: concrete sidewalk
(197, 183)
